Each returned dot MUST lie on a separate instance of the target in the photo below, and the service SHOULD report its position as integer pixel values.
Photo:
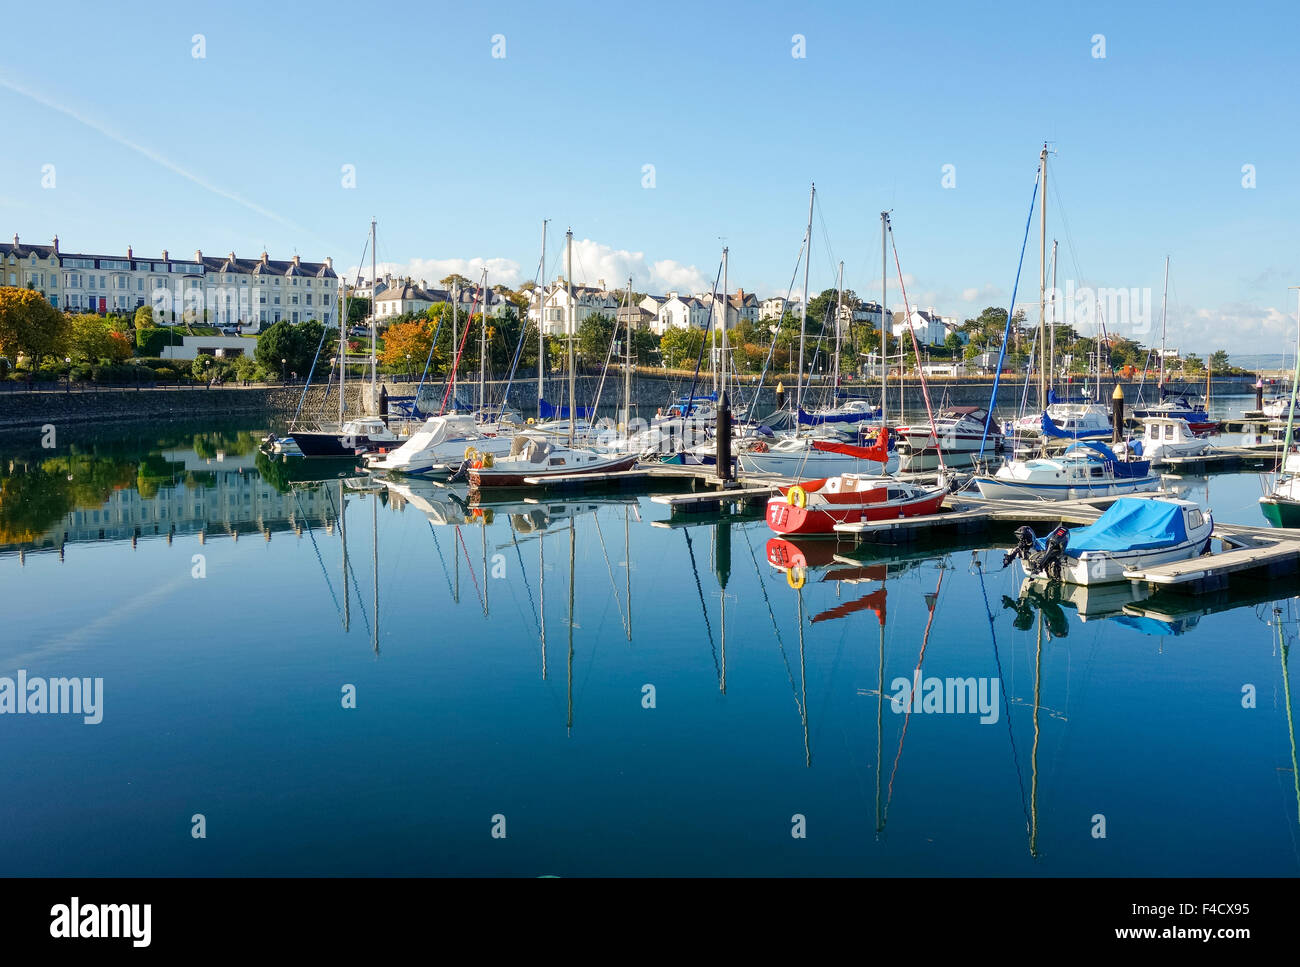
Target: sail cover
(549, 411)
(879, 452)
(1131, 524)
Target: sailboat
(1088, 468)
(1281, 506)
(533, 455)
(362, 435)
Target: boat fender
(759, 447)
(488, 460)
(795, 577)
(477, 464)
(471, 453)
(796, 496)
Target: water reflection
(773, 661)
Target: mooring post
(1117, 414)
(724, 438)
(1259, 393)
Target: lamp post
(408, 367)
(68, 361)
(284, 378)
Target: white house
(586, 301)
(680, 312)
(402, 297)
(222, 290)
(772, 308)
(930, 328)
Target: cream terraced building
(223, 290)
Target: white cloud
(500, 271)
(1237, 327)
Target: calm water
(503, 668)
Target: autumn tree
(30, 326)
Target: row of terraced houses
(222, 290)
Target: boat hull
(485, 478)
(1280, 512)
(315, 444)
(820, 519)
(1093, 567)
(995, 488)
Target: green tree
(1193, 364)
(358, 311)
(681, 347)
(594, 336)
(1220, 361)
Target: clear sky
(460, 154)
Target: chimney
(164, 256)
(15, 239)
(672, 295)
(264, 258)
(601, 283)
(128, 249)
(297, 260)
(56, 244)
(329, 261)
(198, 255)
(232, 256)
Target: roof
(407, 292)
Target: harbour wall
(277, 404)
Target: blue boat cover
(1156, 627)
(549, 411)
(1131, 524)
(1122, 469)
(1052, 430)
(818, 419)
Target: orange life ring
(759, 447)
(477, 464)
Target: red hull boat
(816, 506)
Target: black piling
(724, 438)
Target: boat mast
(1164, 302)
(1051, 379)
(627, 365)
(803, 309)
(884, 325)
(835, 365)
(482, 352)
(455, 341)
(373, 338)
(1042, 287)
(572, 313)
(726, 312)
(1295, 387)
(541, 331)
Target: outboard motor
(1052, 556)
(1024, 546)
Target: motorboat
(1163, 437)
(1182, 406)
(1087, 469)
(1133, 533)
(958, 434)
(850, 414)
(816, 506)
(439, 446)
(363, 435)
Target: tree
(954, 343)
(1193, 364)
(144, 318)
(681, 347)
(30, 326)
(92, 338)
(358, 310)
(1220, 361)
(594, 335)
(455, 279)
(407, 339)
(296, 345)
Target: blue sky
(460, 155)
